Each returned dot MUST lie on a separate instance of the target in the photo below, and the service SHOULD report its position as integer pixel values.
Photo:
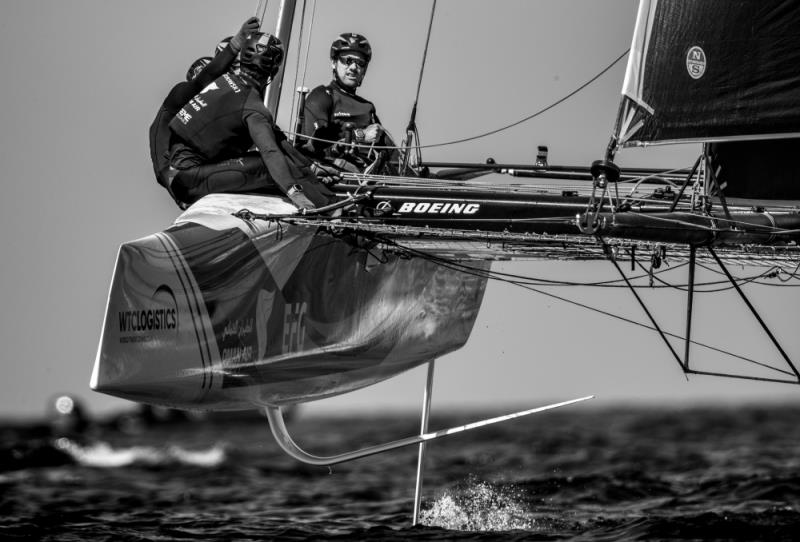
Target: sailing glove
(250, 26)
(328, 175)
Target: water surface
(580, 474)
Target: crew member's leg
(246, 174)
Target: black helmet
(261, 56)
(351, 43)
(197, 66)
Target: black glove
(250, 26)
(328, 175)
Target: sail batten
(712, 70)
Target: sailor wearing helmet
(215, 129)
(334, 112)
(201, 73)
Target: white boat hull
(221, 313)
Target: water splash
(479, 506)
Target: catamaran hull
(221, 313)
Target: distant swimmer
(202, 72)
(214, 131)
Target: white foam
(479, 507)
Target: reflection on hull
(220, 313)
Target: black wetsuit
(213, 133)
(328, 108)
(160, 134)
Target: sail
(712, 70)
(757, 170)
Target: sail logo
(696, 62)
(440, 208)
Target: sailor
(335, 113)
(202, 72)
(214, 131)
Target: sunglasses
(348, 60)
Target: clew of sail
(712, 70)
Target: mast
(283, 31)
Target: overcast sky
(83, 79)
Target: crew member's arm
(259, 123)
(224, 60)
(371, 133)
(185, 91)
(317, 121)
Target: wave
(102, 454)
(65, 451)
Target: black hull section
(520, 209)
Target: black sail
(712, 70)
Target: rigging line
(664, 334)
(261, 9)
(754, 312)
(480, 273)
(750, 279)
(642, 304)
(491, 132)
(684, 288)
(422, 67)
(651, 328)
(297, 63)
(308, 45)
(454, 265)
(742, 377)
(792, 275)
(774, 268)
(614, 283)
(663, 283)
(681, 287)
(541, 111)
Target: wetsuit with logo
(212, 135)
(328, 108)
(160, 134)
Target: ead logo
(696, 62)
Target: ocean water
(585, 474)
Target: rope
(485, 134)
(299, 51)
(261, 9)
(308, 45)
(492, 275)
(412, 122)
